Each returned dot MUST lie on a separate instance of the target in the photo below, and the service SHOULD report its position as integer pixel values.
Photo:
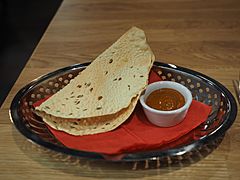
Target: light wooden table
(198, 34)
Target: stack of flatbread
(105, 94)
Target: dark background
(22, 24)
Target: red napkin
(137, 133)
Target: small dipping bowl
(166, 118)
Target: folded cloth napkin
(137, 133)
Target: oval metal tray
(198, 143)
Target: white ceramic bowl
(166, 118)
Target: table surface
(197, 34)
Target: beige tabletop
(197, 34)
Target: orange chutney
(165, 99)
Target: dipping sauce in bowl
(165, 99)
(165, 103)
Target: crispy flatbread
(104, 95)
(92, 125)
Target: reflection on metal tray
(196, 144)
